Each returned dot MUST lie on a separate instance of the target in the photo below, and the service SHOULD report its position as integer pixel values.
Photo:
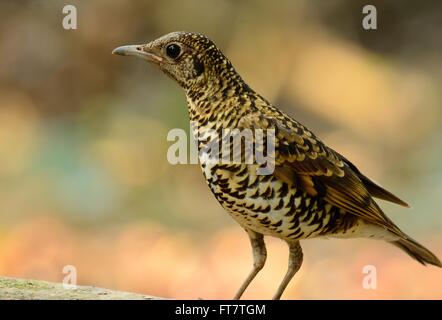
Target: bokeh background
(84, 179)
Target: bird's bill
(138, 51)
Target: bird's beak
(141, 51)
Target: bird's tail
(417, 251)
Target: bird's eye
(173, 51)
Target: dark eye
(173, 51)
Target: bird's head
(191, 59)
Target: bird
(312, 192)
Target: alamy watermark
(70, 278)
(70, 19)
(369, 281)
(224, 146)
(370, 20)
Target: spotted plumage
(313, 191)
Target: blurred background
(84, 179)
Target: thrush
(312, 191)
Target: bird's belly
(269, 206)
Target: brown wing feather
(304, 159)
(374, 189)
(378, 192)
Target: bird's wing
(374, 189)
(301, 158)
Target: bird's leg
(259, 259)
(295, 262)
